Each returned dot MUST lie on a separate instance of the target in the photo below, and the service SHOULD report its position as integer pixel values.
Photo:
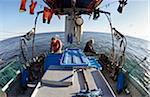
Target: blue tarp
(94, 63)
(74, 57)
(69, 59)
(52, 59)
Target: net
(9, 73)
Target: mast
(73, 26)
(73, 29)
(73, 9)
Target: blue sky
(133, 22)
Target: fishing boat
(73, 72)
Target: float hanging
(32, 6)
(96, 14)
(122, 3)
(47, 15)
(23, 6)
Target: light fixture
(79, 21)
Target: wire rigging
(35, 24)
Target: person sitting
(56, 45)
(89, 47)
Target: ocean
(137, 50)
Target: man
(89, 47)
(56, 45)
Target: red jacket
(23, 5)
(32, 7)
(55, 46)
(47, 15)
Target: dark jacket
(89, 48)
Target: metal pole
(35, 23)
(113, 49)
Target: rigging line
(35, 23)
(122, 57)
(113, 48)
(124, 49)
(22, 41)
(142, 60)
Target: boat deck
(93, 77)
(133, 91)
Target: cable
(22, 41)
(35, 23)
(112, 35)
(123, 44)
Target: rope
(112, 35)
(22, 50)
(123, 44)
(35, 23)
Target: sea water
(137, 50)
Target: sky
(134, 21)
